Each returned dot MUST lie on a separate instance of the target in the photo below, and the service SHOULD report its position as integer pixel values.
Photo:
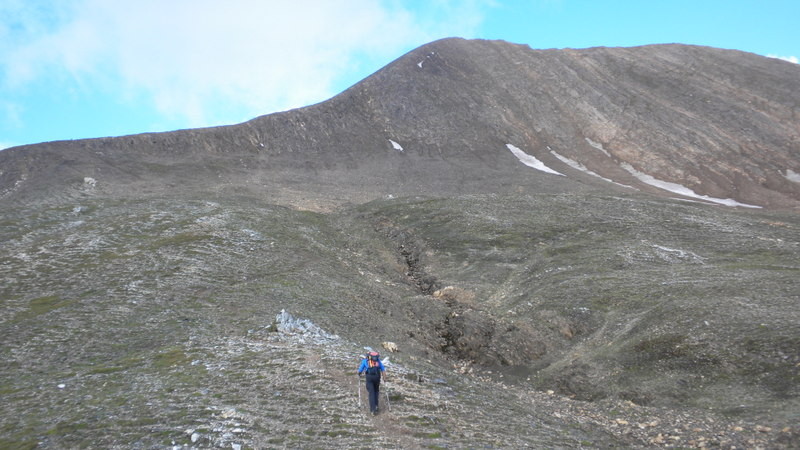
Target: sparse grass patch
(65, 428)
(7, 389)
(180, 239)
(337, 433)
(43, 305)
(564, 250)
(428, 435)
(105, 370)
(662, 347)
(139, 422)
(170, 357)
(24, 444)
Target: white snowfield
(530, 161)
(396, 146)
(680, 189)
(676, 188)
(578, 166)
(598, 146)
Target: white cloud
(10, 114)
(205, 60)
(791, 59)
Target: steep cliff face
(709, 124)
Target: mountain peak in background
(455, 116)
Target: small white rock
(62, 386)
(195, 437)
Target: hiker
(373, 367)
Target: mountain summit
(459, 116)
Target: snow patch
(791, 175)
(598, 146)
(419, 64)
(89, 181)
(680, 189)
(396, 146)
(582, 168)
(668, 254)
(531, 161)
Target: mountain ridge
(668, 111)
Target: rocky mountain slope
(564, 246)
(441, 120)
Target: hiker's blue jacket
(365, 365)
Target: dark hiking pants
(373, 387)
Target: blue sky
(73, 69)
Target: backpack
(373, 363)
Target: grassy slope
(657, 302)
(153, 314)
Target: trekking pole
(358, 388)
(386, 391)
